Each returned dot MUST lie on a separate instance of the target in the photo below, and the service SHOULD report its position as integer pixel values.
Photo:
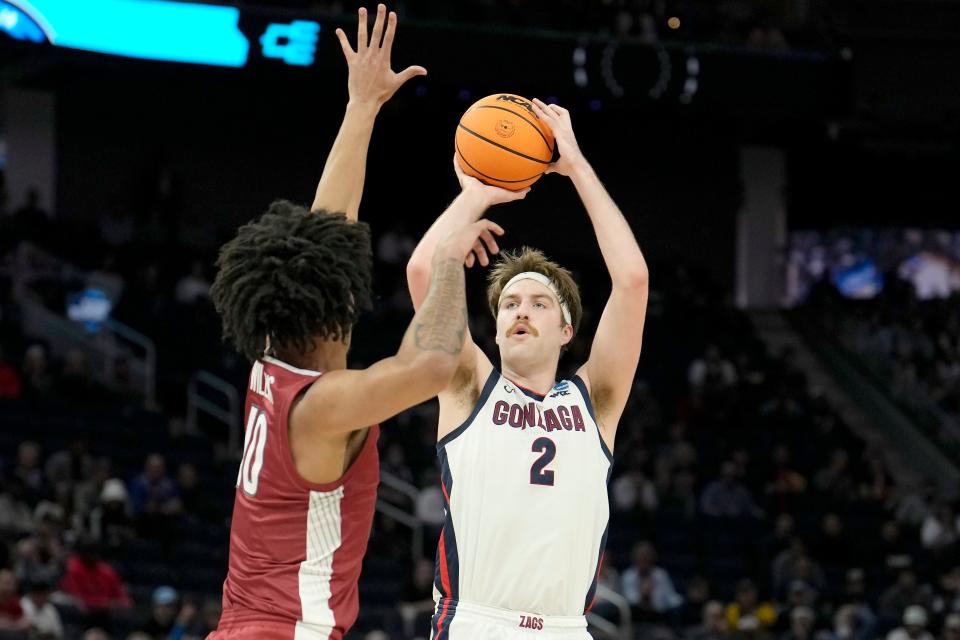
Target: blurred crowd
(742, 505)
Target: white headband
(545, 281)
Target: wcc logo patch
(561, 389)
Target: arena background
(788, 464)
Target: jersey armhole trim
(373, 434)
(577, 380)
(482, 400)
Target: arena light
(155, 30)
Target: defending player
(289, 289)
(525, 459)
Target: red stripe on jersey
(443, 487)
(443, 617)
(444, 570)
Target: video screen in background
(859, 261)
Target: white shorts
(456, 620)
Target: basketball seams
(505, 148)
(519, 115)
(481, 173)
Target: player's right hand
(491, 195)
(472, 243)
(371, 80)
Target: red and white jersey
(296, 547)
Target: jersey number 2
(538, 474)
(253, 443)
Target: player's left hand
(558, 119)
(491, 195)
(371, 80)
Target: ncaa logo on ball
(505, 128)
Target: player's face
(530, 325)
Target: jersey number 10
(253, 443)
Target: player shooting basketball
(525, 459)
(290, 287)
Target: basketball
(501, 142)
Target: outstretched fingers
(378, 25)
(348, 51)
(390, 32)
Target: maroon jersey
(295, 547)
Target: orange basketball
(502, 142)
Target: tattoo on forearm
(441, 323)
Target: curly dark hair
(293, 275)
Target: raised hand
(490, 195)
(558, 119)
(371, 80)
(472, 243)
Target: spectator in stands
(45, 623)
(784, 533)
(193, 286)
(634, 493)
(681, 500)
(833, 547)
(10, 386)
(951, 627)
(15, 516)
(728, 497)
(711, 372)
(713, 626)
(784, 484)
(939, 529)
(802, 622)
(878, 485)
(647, 587)
(892, 550)
(154, 497)
(96, 633)
(165, 603)
(27, 481)
(193, 498)
(39, 559)
(86, 492)
(37, 380)
(110, 523)
(916, 503)
(849, 624)
(697, 596)
(835, 480)
(948, 599)
(194, 624)
(69, 466)
(747, 613)
(804, 572)
(914, 625)
(12, 617)
(904, 593)
(93, 585)
(49, 521)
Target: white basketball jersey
(525, 481)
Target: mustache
(532, 330)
